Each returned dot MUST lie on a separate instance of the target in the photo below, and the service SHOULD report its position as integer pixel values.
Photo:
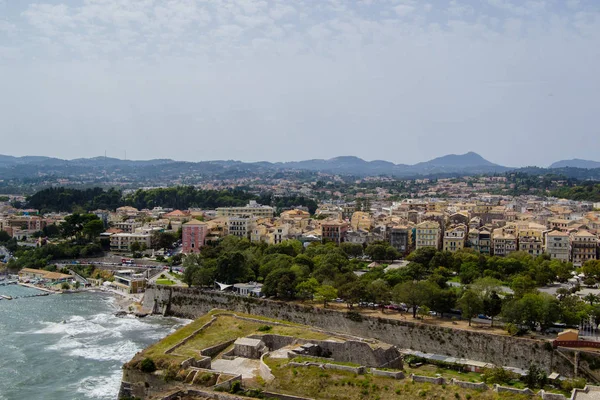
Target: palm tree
(591, 298)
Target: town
(508, 265)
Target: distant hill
(576, 163)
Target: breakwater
(496, 349)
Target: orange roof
(176, 213)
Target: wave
(100, 387)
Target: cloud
(402, 10)
(422, 78)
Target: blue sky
(400, 80)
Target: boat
(6, 297)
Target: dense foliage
(464, 282)
(67, 200)
(183, 197)
(587, 191)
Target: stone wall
(428, 379)
(469, 385)
(495, 349)
(387, 374)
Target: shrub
(265, 328)
(536, 377)
(236, 387)
(498, 375)
(570, 384)
(148, 365)
(354, 316)
(511, 329)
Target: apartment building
(193, 236)
(241, 226)
(504, 242)
(427, 234)
(583, 247)
(454, 239)
(400, 238)
(252, 208)
(128, 226)
(333, 231)
(122, 241)
(558, 245)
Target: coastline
(125, 303)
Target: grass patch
(167, 282)
(229, 328)
(225, 328)
(302, 359)
(315, 383)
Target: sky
(278, 80)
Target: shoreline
(125, 303)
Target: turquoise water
(42, 357)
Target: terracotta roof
(195, 222)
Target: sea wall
(495, 349)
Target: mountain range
(466, 164)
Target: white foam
(122, 351)
(100, 387)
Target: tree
(326, 293)
(470, 304)
(487, 288)
(4, 236)
(412, 293)
(492, 305)
(536, 377)
(352, 292)
(232, 268)
(379, 292)
(307, 289)
(93, 229)
(591, 269)
(280, 283)
(591, 298)
(77, 284)
(352, 249)
(423, 311)
(377, 252)
(135, 247)
(189, 273)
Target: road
(5, 252)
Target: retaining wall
(495, 349)
(428, 379)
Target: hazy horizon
(280, 161)
(397, 80)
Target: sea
(69, 346)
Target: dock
(37, 287)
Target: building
(193, 235)
(454, 239)
(558, 245)
(583, 247)
(504, 242)
(122, 241)
(480, 240)
(241, 226)
(361, 220)
(279, 234)
(128, 226)
(400, 238)
(127, 281)
(31, 273)
(252, 208)
(427, 234)
(333, 231)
